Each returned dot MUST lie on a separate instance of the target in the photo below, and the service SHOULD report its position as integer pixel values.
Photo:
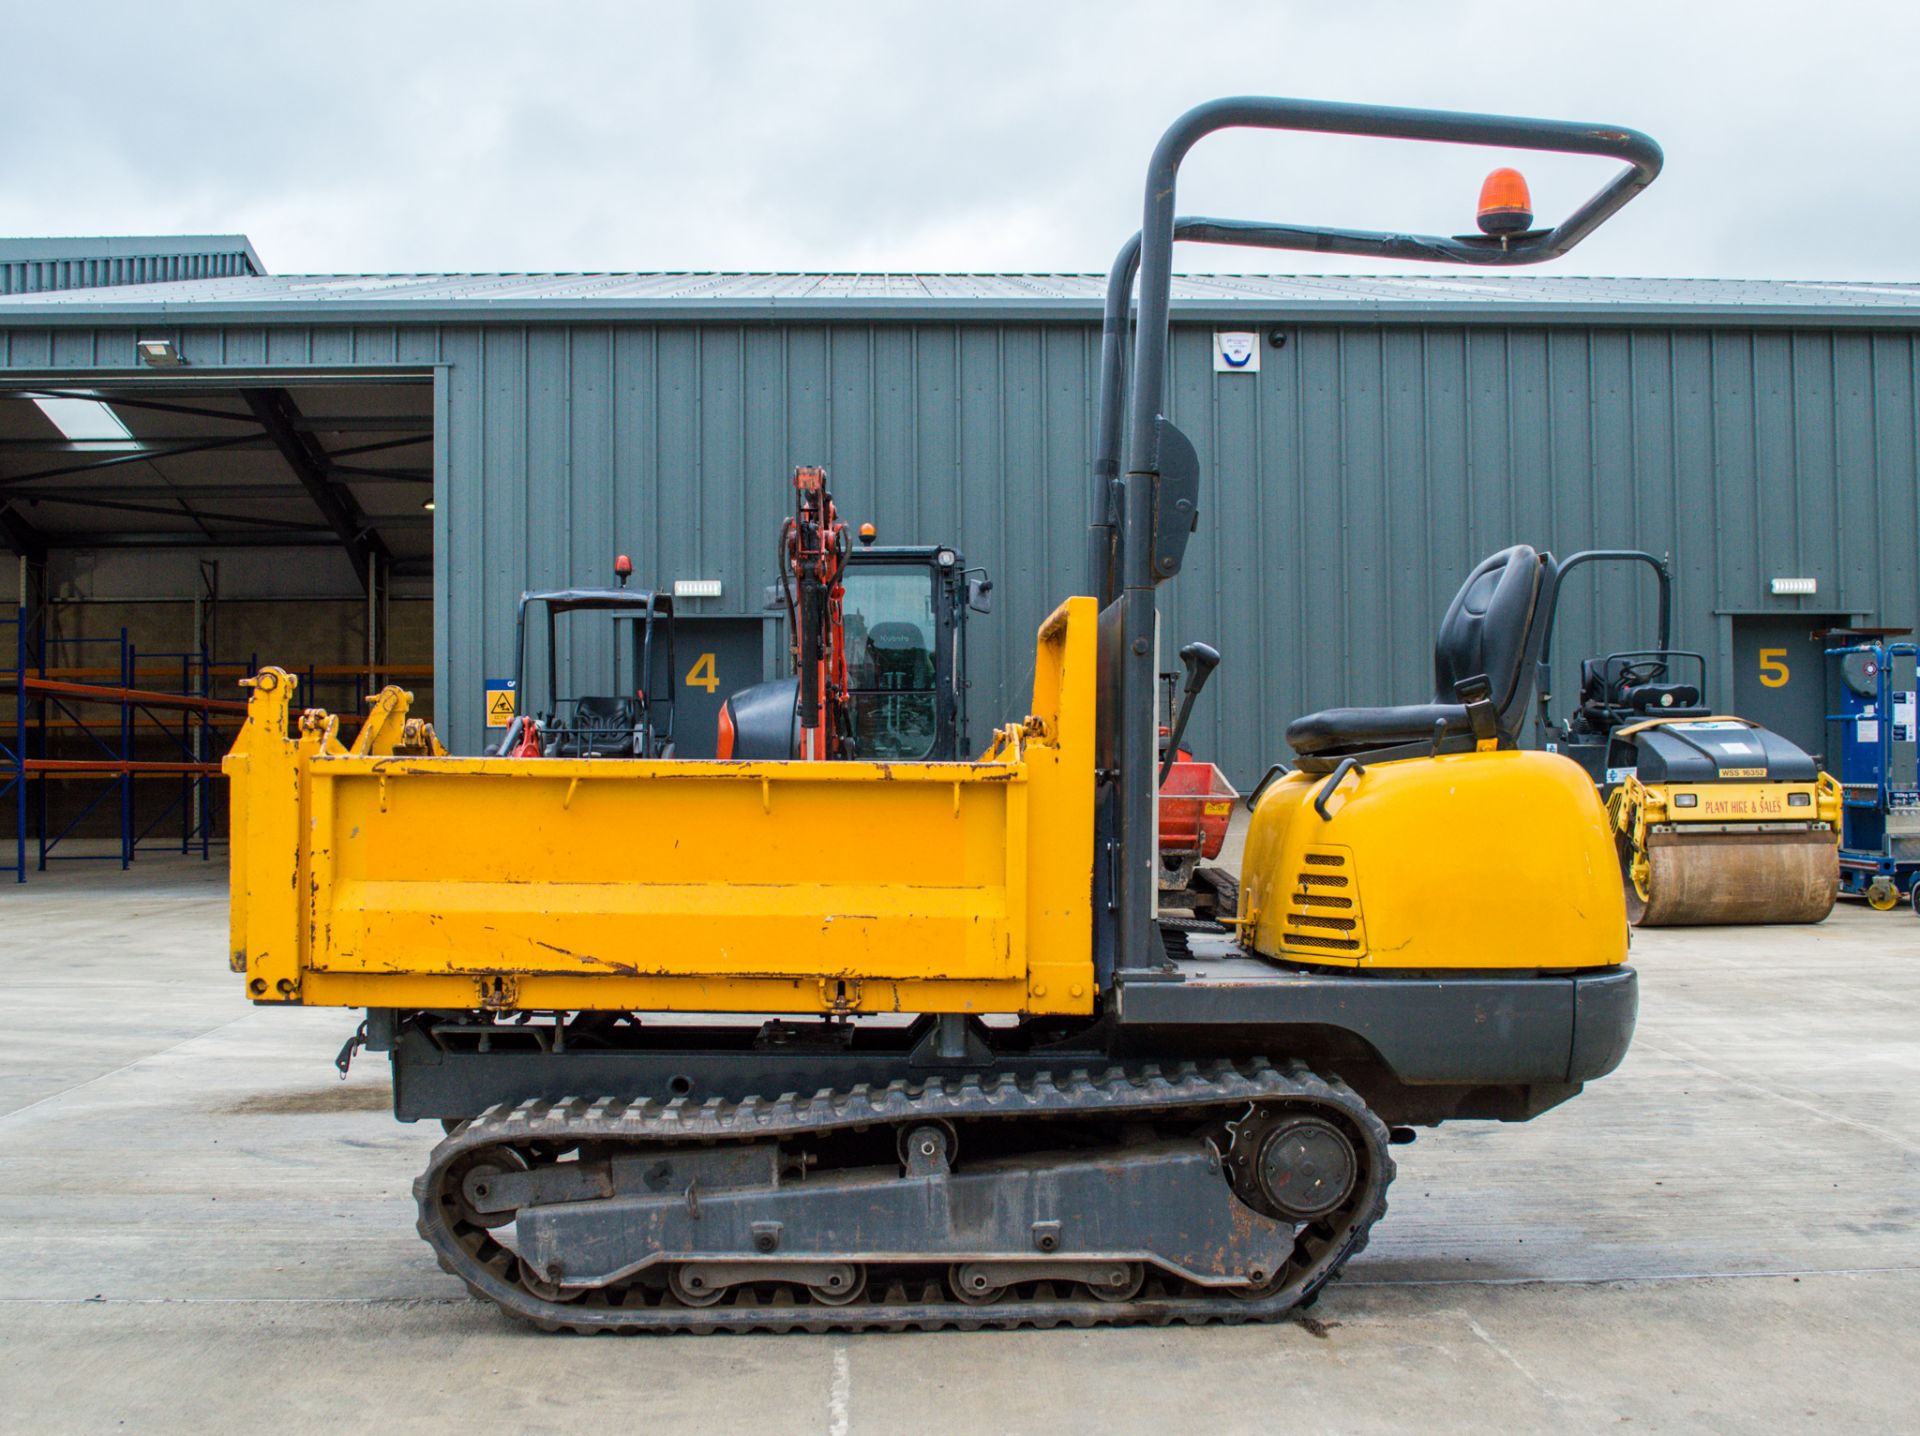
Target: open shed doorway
(172, 534)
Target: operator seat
(1483, 668)
(1608, 699)
(1670, 699)
(900, 657)
(1595, 690)
(603, 727)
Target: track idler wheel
(468, 1180)
(927, 1146)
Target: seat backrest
(1492, 628)
(1593, 683)
(1662, 697)
(610, 714)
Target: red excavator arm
(814, 546)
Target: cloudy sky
(747, 135)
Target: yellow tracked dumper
(795, 1044)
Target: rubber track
(489, 1270)
(1226, 889)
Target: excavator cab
(635, 720)
(906, 617)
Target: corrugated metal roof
(732, 296)
(90, 263)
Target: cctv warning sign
(500, 702)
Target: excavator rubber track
(576, 1142)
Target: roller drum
(1736, 878)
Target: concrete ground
(202, 1228)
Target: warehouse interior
(171, 535)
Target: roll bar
(648, 604)
(1641, 154)
(1134, 515)
(1543, 721)
(1533, 247)
(1112, 398)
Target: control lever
(1199, 659)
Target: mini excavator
(1717, 819)
(787, 1044)
(877, 638)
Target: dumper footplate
(1229, 1191)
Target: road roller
(1716, 818)
(865, 1044)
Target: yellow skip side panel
(1470, 860)
(657, 886)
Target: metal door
(717, 656)
(1779, 676)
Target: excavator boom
(814, 545)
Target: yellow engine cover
(1470, 860)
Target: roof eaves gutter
(1506, 313)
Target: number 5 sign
(1774, 672)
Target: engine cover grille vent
(1323, 906)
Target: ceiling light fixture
(83, 419)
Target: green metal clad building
(1387, 432)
